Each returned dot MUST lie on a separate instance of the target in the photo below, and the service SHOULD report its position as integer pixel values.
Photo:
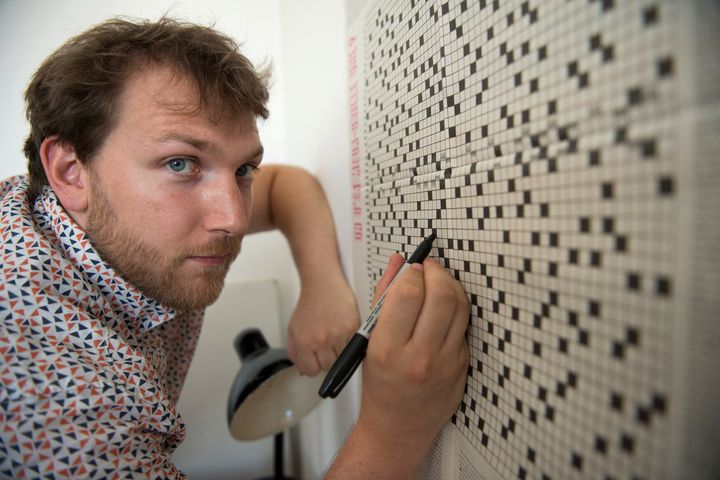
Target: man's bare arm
(292, 200)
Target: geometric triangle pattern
(90, 368)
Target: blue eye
(180, 165)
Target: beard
(160, 275)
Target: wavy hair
(76, 90)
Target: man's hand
(324, 319)
(413, 376)
(417, 360)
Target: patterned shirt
(90, 368)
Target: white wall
(318, 138)
(308, 124)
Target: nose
(227, 206)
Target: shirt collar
(75, 245)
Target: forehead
(159, 95)
(159, 87)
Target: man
(143, 179)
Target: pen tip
(431, 237)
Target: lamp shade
(268, 395)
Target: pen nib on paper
(423, 249)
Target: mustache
(217, 247)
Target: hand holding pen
(416, 366)
(354, 352)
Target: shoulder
(7, 185)
(23, 247)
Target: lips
(210, 260)
(219, 251)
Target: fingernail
(417, 266)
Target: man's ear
(66, 174)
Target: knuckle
(406, 292)
(335, 335)
(382, 356)
(347, 325)
(421, 370)
(301, 341)
(322, 338)
(348, 329)
(443, 294)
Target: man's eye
(246, 170)
(180, 165)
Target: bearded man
(144, 175)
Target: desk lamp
(268, 395)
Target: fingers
(317, 351)
(305, 360)
(439, 307)
(411, 387)
(445, 312)
(325, 317)
(401, 307)
(308, 364)
(325, 358)
(456, 334)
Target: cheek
(163, 220)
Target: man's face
(171, 191)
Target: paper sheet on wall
(566, 155)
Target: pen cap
(268, 395)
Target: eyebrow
(258, 153)
(202, 145)
(197, 143)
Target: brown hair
(75, 91)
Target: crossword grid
(536, 139)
